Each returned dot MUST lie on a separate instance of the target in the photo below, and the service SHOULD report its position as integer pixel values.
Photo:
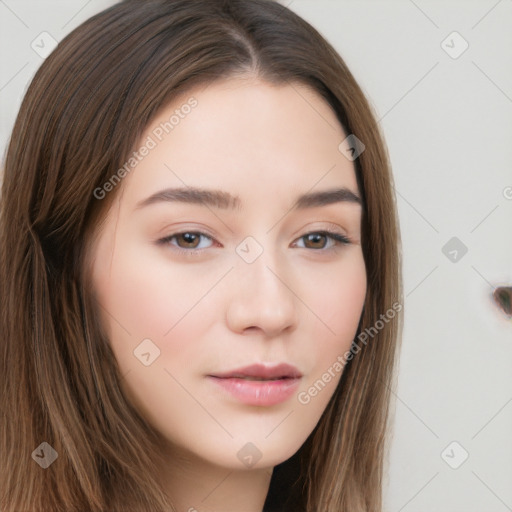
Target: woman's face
(196, 288)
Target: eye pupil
(190, 238)
(315, 238)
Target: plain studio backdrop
(439, 76)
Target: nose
(262, 298)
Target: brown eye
(186, 240)
(320, 240)
(191, 240)
(315, 240)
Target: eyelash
(338, 239)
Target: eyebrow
(223, 200)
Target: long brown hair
(84, 111)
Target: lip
(275, 384)
(262, 371)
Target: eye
(189, 242)
(318, 239)
(186, 240)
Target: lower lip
(259, 392)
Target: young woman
(200, 271)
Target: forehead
(244, 135)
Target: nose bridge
(264, 275)
(262, 296)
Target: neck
(196, 485)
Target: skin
(299, 302)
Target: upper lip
(262, 371)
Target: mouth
(261, 372)
(259, 385)
(242, 377)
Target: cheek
(338, 305)
(144, 296)
(346, 303)
(148, 296)
(338, 300)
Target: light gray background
(448, 125)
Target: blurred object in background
(503, 297)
